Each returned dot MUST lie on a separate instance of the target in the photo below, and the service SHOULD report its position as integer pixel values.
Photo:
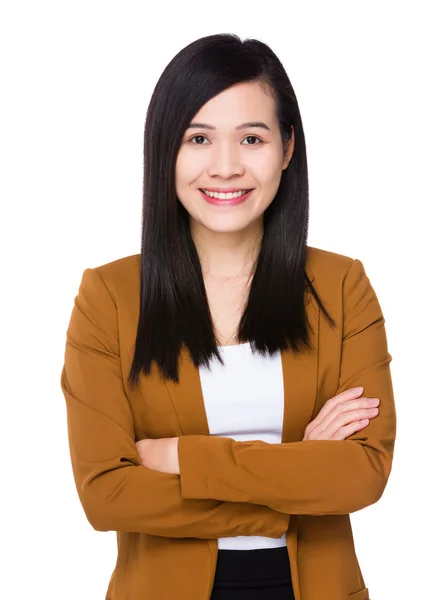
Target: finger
(341, 414)
(340, 418)
(337, 400)
(364, 412)
(344, 432)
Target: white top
(244, 400)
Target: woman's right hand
(342, 416)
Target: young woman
(228, 390)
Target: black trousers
(262, 574)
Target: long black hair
(174, 308)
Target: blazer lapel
(300, 373)
(299, 378)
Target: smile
(227, 199)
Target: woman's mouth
(226, 201)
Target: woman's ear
(288, 149)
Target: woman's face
(218, 153)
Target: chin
(227, 227)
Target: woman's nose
(225, 161)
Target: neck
(227, 255)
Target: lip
(225, 190)
(229, 202)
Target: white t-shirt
(244, 400)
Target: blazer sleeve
(116, 491)
(314, 477)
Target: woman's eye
(247, 138)
(198, 136)
(252, 137)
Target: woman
(223, 411)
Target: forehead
(243, 102)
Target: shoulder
(120, 271)
(319, 264)
(119, 267)
(120, 277)
(342, 280)
(324, 266)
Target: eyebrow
(241, 126)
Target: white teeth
(226, 196)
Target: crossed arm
(225, 488)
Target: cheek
(266, 166)
(268, 179)
(180, 171)
(187, 168)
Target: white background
(76, 81)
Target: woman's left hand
(159, 455)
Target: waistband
(260, 567)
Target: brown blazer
(167, 525)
